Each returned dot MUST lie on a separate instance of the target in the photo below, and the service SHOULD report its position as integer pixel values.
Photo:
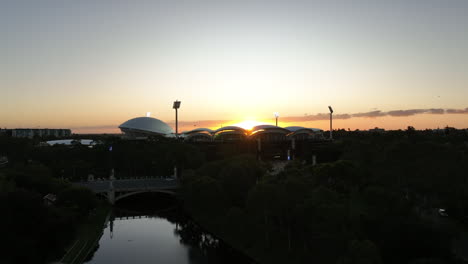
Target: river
(153, 229)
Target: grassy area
(88, 236)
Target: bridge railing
(129, 178)
(131, 184)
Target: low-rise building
(37, 132)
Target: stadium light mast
(331, 122)
(176, 106)
(276, 117)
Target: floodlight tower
(276, 117)
(331, 122)
(176, 106)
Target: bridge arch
(143, 191)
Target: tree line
(377, 203)
(372, 198)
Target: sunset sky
(91, 65)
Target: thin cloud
(342, 116)
(371, 114)
(457, 111)
(409, 112)
(316, 117)
(376, 114)
(436, 111)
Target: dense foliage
(32, 231)
(372, 197)
(128, 158)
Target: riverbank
(88, 235)
(215, 233)
(140, 205)
(158, 235)
(211, 228)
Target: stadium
(145, 127)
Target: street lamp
(176, 106)
(276, 117)
(331, 121)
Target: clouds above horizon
(376, 114)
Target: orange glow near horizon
(248, 124)
(110, 125)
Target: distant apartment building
(35, 132)
(377, 130)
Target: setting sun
(248, 124)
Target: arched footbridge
(115, 190)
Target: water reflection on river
(166, 237)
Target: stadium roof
(231, 128)
(147, 125)
(297, 128)
(199, 130)
(262, 129)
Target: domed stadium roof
(255, 128)
(199, 134)
(199, 130)
(146, 125)
(231, 128)
(268, 129)
(294, 128)
(297, 128)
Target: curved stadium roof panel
(147, 125)
(231, 128)
(294, 128)
(199, 130)
(262, 129)
(269, 127)
(297, 128)
(255, 128)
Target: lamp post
(331, 122)
(276, 117)
(176, 106)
